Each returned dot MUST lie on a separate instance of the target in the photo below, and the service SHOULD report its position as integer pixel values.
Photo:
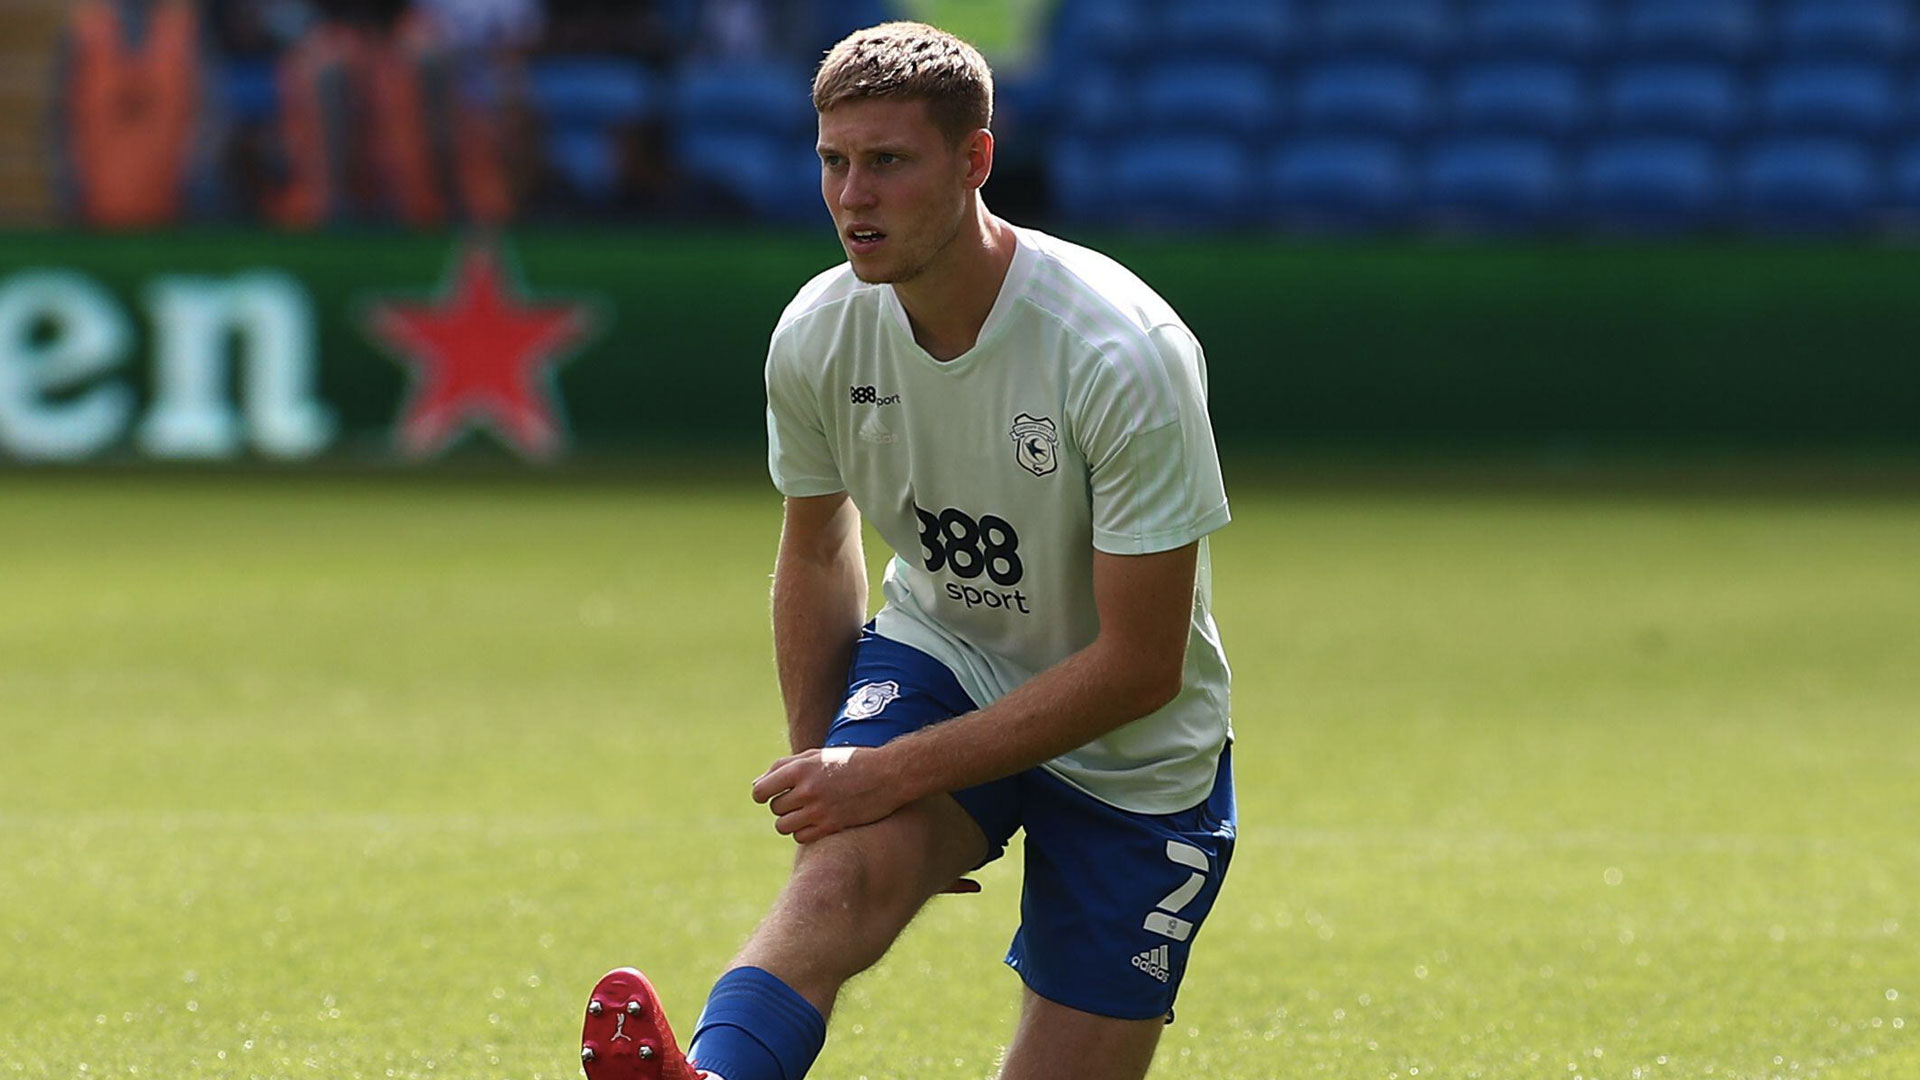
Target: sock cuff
(756, 1005)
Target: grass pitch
(326, 778)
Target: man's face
(897, 190)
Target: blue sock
(756, 1027)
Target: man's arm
(1133, 667)
(819, 604)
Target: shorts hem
(1091, 1008)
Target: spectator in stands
(487, 43)
(133, 132)
(486, 26)
(376, 125)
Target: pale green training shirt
(1078, 421)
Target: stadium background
(1559, 224)
(383, 641)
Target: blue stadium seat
(1903, 185)
(1080, 179)
(824, 22)
(796, 196)
(1098, 32)
(1495, 183)
(1565, 30)
(1339, 184)
(1650, 184)
(1520, 98)
(763, 96)
(1806, 185)
(1404, 29)
(587, 159)
(1859, 100)
(1727, 30)
(1880, 30)
(1262, 32)
(592, 91)
(1364, 97)
(1235, 99)
(252, 90)
(1173, 181)
(1701, 100)
(775, 176)
(1092, 101)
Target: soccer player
(1024, 422)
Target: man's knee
(842, 874)
(852, 893)
(889, 867)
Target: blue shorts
(1112, 899)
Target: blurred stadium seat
(1402, 29)
(1806, 185)
(577, 91)
(1842, 99)
(585, 106)
(1727, 30)
(1903, 187)
(1493, 183)
(1079, 179)
(1649, 184)
(1520, 98)
(1339, 184)
(1093, 102)
(1309, 114)
(1701, 100)
(1109, 32)
(776, 177)
(1208, 98)
(588, 159)
(1175, 181)
(1365, 97)
(1261, 31)
(1845, 29)
(1564, 30)
(252, 90)
(745, 131)
(761, 96)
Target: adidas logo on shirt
(1155, 963)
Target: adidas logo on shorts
(1155, 963)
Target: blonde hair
(910, 61)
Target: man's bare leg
(1054, 1042)
(852, 893)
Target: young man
(1025, 424)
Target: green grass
(326, 778)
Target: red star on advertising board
(482, 355)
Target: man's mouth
(864, 239)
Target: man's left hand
(817, 793)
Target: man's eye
(884, 159)
(831, 161)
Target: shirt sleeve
(1153, 469)
(799, 454)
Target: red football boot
(626, 1036)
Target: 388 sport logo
(870, 395)
(969, 548)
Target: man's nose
(858, 191)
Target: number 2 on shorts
(1165, 921)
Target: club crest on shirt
(1036, 444)
(871, 698)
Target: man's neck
(948, 306)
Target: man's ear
(979, 152)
